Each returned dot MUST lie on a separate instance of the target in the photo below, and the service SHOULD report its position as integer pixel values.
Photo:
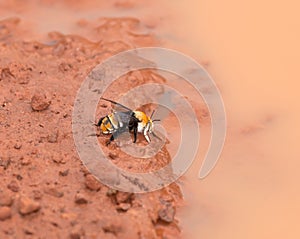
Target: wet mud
(45, 191)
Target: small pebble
(80, 199)
(167, 213)
(111, 192)
(13, 186)
(64, 173)
(54, 192)
(37, 194)
(75, 235)
(123, 206)
(5, 199)
(40, 102)
(112, 155)
(122, 197)
(25, 161)
(52, 138)
(28, 206)
(18, 146)
(5, 213)
(92, 183)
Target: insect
(118, 122)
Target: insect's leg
(116, 134)
(110, 140)
(133, 125)
(134, 134)
(147, 137)
(156, 136)
(146, 130)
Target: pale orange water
(253, 52)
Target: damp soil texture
(45, 191)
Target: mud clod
(53, 191)
(18, 146)
(167, 213)
(64, 173)
(123, 207)
(46, 190)
(28, 206)
(77, 233)
(5, 213)
(124, 197)
(5, 199)
(80, 198)
(13, 186)
(40, 102)
(92, 183)
(112, 228)
(52, 138)
(37, 195)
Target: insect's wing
(123, 117)
(117, 106)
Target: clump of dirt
(45, 191)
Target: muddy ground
(45, 191)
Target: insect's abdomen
(109, 124)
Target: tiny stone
(4, 163)
(9, 231)
(64, 173)
(80, 199)
(5, 213)
(123, 206)
(28, 231)
(112, 228)
(167, 213)
(111, 192)
(39, 102)
(13, 186)
(19, 177)
(122, 197)
(69, 216)
(25, 161)
(52, 138)
(54, 192)
(28, 206)
(112, 155)
(92, 183)
(37, 194)
(18, 146)
(75, 235)
(5, 199)
(58, 160)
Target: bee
(119, 122)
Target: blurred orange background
(252, 51)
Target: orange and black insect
(118, 122)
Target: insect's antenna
(156, 136)
(152, 114)
(116, 103)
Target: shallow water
(251, 49)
